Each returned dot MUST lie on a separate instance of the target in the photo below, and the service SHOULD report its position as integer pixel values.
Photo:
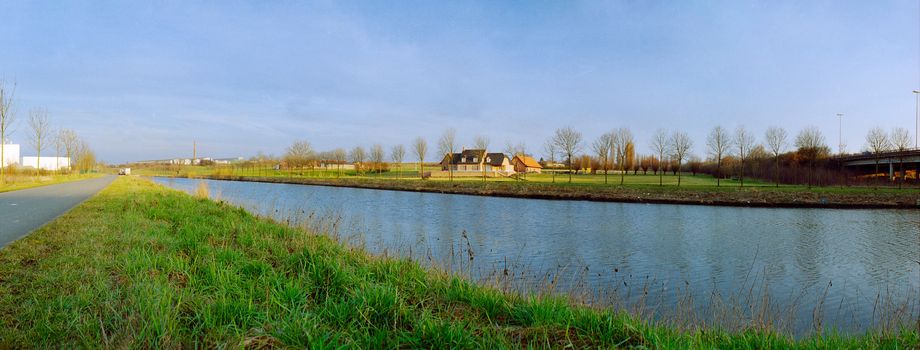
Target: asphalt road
(23, 211)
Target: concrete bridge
(890, 161)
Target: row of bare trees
(809, 162)
(804, 159)
(300, 155)
(615, 148)
(41, 136)
(879, 142)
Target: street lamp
(917, 121)
(840, 133)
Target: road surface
(23, 211)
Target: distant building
(227, 160)
(10, 154)
(47, 163)
(525, 164)
(192, 161)
(477, 161)
(336, 165)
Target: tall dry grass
(750, 307)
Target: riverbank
(140, 265)
(770, 197)
(21, 182)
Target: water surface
(846, 264)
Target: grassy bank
(22, 181)
(140, 265)
(787, 196)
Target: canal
(728, 266)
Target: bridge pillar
(890, 171)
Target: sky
(143, 79)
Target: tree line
(42, 136)
(737, 154)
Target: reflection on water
(619, 249)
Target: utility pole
(840, 133)
(194, 151)
(846, 180)
(917, 121)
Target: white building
(47, 163)
(10, 154)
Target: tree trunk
(776, 172)
(742, 171)
(622, 174)
(875, 176)
(678, 174)
(606, 170)
(570, 168)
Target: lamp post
(846, 180)
(840, 134)
(917, 121)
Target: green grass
(23, 181)
(694, 189)
(407, 173)
(143, 266)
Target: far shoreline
(753, 198)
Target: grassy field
(22, 181)
(140, 265)
(409, 172)
(694, 189)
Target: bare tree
(550, 151)
(447, 145)
(776, 139)
(516, 149)
(398, 153)
(878, 143)
(680, 146)
(340, 157)
(358, 155)
(622, 143)
(70, 141)
(58, 146)
(661, 144)
(695, 164)
(481, 142)
(601, 147)
(744, 141)
(40, 128)
(421, 149)
(718, 143)
(811, 145)
(900, 141)
(84, 156)
(6, 122)
(377, 157)
(298, 154)
(569, 142)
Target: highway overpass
(887, 161)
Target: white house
(10, 154)
(477, 161)
(47, 163)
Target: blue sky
(142, 79)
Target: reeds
(201, 190)
(751, 307)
